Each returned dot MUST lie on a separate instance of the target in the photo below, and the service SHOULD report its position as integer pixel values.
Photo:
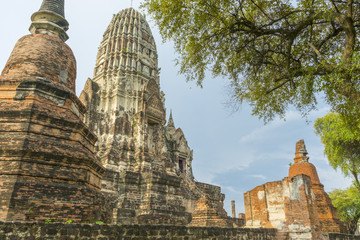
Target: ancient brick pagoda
(53, 154)
(327, 213)
(48, 169)
(297, 204)
(109, 155)
(148, 164)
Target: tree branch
(278, 86)
(315, 50)
(333, 3)
(350, 8)
(266, 15)
(356, 177)
(327, 38)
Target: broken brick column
(233, 214)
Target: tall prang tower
(48, 169)
(148, 164)
(127, 96)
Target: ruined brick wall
(215, 195)
(288, 205)
(339, 236)
(328, 216)
(297, 203)
(56, 231)
(206, 215)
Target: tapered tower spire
(171, 120)
(50, 19)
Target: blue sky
(231, 149)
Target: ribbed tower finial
(128, 49)
(56, 6)
(50, 19)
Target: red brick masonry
(47, 165)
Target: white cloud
(261, 176)
(231, 189)
(260, 132)
(266, 131)
(204, 176)
(263, 131)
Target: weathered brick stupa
(148, 164)
(297, 204)
(327, 213)
(47, 166)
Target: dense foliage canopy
(276, 52)
(342, 145)
(347, 203)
